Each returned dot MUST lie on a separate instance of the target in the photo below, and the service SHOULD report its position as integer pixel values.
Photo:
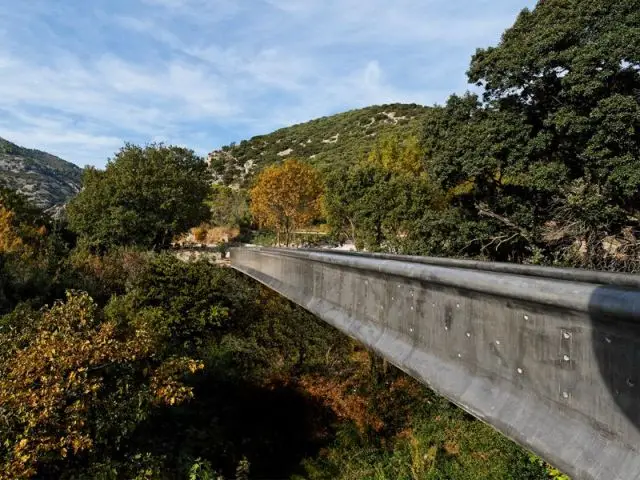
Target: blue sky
(78, 78)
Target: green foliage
(73, 383)
(542, 168)
(569, 73)
(24, 211)
(32, 269)
(328, 143)
(196, 300)
(274, 386)
(229, 207)
(144, 197)
(375, 203)
(421, 437)
(102, 276)
(262, 238)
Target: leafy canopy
(73, 380)
(287, 197)
(144, 197)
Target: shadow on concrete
(615, 317)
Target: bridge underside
(548, 357)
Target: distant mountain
(329, 142)
(43, 178)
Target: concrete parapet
(549, 357)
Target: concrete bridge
(549, 357)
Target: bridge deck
(549, 357)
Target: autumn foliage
(287, 197)
(18, 237)
(10, 241)
(169, 369)
(67, 372)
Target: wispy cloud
(79, 78)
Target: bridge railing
(549, 357)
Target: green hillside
(341, 139)
(43, 178)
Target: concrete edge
(564, 438)
(568, 274)
(606, 300)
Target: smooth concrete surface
(549, 357)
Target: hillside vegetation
(328, 143)
(119, 361)
(44, 179)
(543, 167)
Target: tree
(396, 155)
(74, 381)
(10, 240)
(144, 197)
(32, 253)
(477, 156)
(287, 197)
(376, 202)
(568, 73)
(229, 207)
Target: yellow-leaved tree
(399, 156)
(10, 241)
(20, 238)
(287, 197)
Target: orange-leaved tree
(10, 241)
(17, 235)
(287, 197)
(75, 381)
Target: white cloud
(59, 140)
(205, 72)
(109, 95)
(401, 22)
(200, 11)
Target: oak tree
(287, 197)
(144, 197)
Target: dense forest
(117, 360)
(540, 167)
